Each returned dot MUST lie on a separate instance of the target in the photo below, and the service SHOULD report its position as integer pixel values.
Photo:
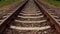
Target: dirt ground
(8, 8)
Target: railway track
(30, 20)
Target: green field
(6, 2)
(53, 2)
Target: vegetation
(6, 2)
(57, 0)
(53, 2)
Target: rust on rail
(53, 21)
(5, 23)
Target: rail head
(49, 16)
(13, 14)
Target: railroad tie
(56, 17)
(30, 11)
(31, 21)
(30, 28)
(5, 16)
(31, 16)
(52, 13)
(58, 20)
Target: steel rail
(53, 21)
(14, 13)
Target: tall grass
(6, 2)
(53, 2)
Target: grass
(6, 2)
(53, 2)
